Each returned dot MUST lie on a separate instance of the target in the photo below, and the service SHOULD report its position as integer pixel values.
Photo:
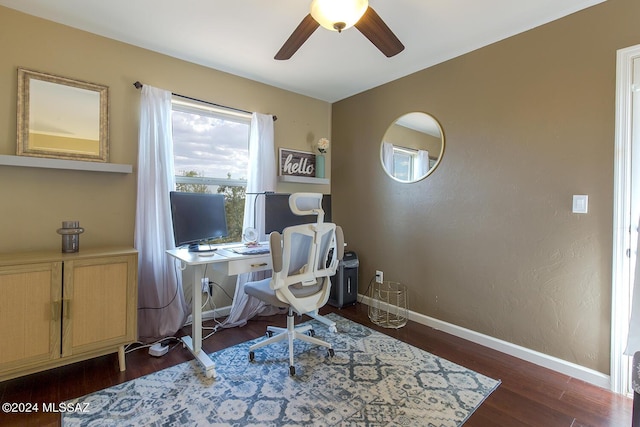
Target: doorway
(626, 213)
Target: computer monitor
(197, 218)
(278, 215)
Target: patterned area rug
(373, 379)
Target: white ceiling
(242, 36)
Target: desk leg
(196, 309)
(195, 344)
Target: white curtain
(387, 156)
(422, 164)
(162, 309)
(261, 178)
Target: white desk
(229, 263)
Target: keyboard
(252, 250)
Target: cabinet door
(30, 309)
(100, 303)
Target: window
(403, 163)
(408, 164)
(211, 155)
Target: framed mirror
(412, 147)
(62, 118)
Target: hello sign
(297, 163)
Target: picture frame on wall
(297, 163)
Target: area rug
(373, 380)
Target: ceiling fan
(338, 15)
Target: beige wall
(35, 201)
(488, 241)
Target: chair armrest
(339, 242)
(275, 246)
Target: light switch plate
(580, 203)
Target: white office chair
(304, 258)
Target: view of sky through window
(210, 146)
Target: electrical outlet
(205, 285)
(379, 276)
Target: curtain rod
(139, 85)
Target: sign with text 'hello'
(297, 163)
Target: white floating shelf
(303, 179)
(42, 162)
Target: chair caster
(292, 370)
(333, 329)
(311, 333)
(252, 356)
(331, 352)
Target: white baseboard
(564, 367)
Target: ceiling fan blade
(297, 38)
(378, 33)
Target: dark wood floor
(528, 396)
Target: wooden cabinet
(30, 296)
(60, 308)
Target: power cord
(140, 345)
(215, 328)
(368, 287)
(211, 282)
(175, 294)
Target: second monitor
(278, 215)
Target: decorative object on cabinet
(59, 308)
(70, 233)
(412, 147)
(62, 118)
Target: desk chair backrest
(305, 256)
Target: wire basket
(388, 304)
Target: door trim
(622, 222)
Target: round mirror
(412, 147)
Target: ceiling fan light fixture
(338, 15)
